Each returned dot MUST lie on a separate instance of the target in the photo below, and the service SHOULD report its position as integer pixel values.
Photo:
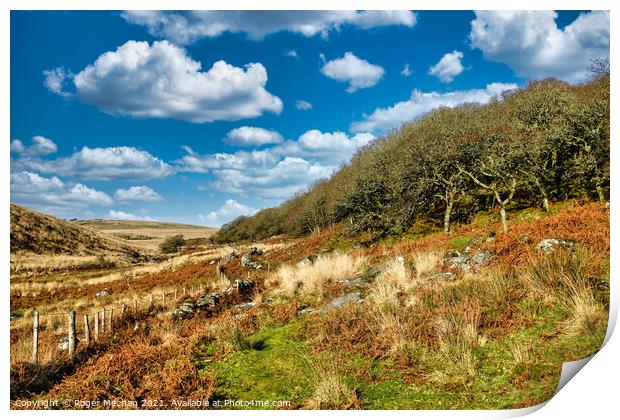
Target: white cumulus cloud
(533, 45)
(448, 67)
(302, 105)
(121, 215)
(278, 171)
(252, 136)
(39, 146)
(162, 81)
(137, 193)
(37, 191)
(101, 163)
(230, 210)
(420, 103)
(185, 27)
(358, 73)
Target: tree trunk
(446, 217)
(545, 203)
(502, 212)
(601, 194)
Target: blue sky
(199, 117)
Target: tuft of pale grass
(425, 262)
(587, 315)
(312, 278)
(522, 353)
(457, 337)
(330, 390)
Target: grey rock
(267, 299)
(341, 301)
(305, 311)
(358, 282)
(102, 293)
(248, 262)
(549, 246)
(247, 305)
(186, 310)
(456, 260)
(447, 276)
(482, 258)
(210, 300)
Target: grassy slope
(342, 359)
(39, 233)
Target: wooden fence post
(163, 298)
(72, 335)
(111, 327)
(175, 293)
(150, 300)
(123, 307)
(135, 305)
(192, 290)
(86, 330)
(103, 321)
(35, 338)
(184, 291)
(96, 325)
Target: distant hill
(40, 233)
(148, 235)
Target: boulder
(549, 246)
(456, 260)
(341, 301)
(103, 293)
(305, 311)
(186, 310)
(482, 258)
(357, 282)
(247, 305)
(210, 300)
(248, 262)
(447, 276)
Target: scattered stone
(212, 262)
(267, 299)
(207, 301)
(400, 260)
(455, 259)
(103, 293)
(305, 311)
(482, 258)
(246, 305)
(358, 282)
(447, 276)
(341, 301)
(549, 246)
(248, 262)
(186, 310)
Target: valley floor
(476, 319)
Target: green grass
(273, 369)
(460, 242)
